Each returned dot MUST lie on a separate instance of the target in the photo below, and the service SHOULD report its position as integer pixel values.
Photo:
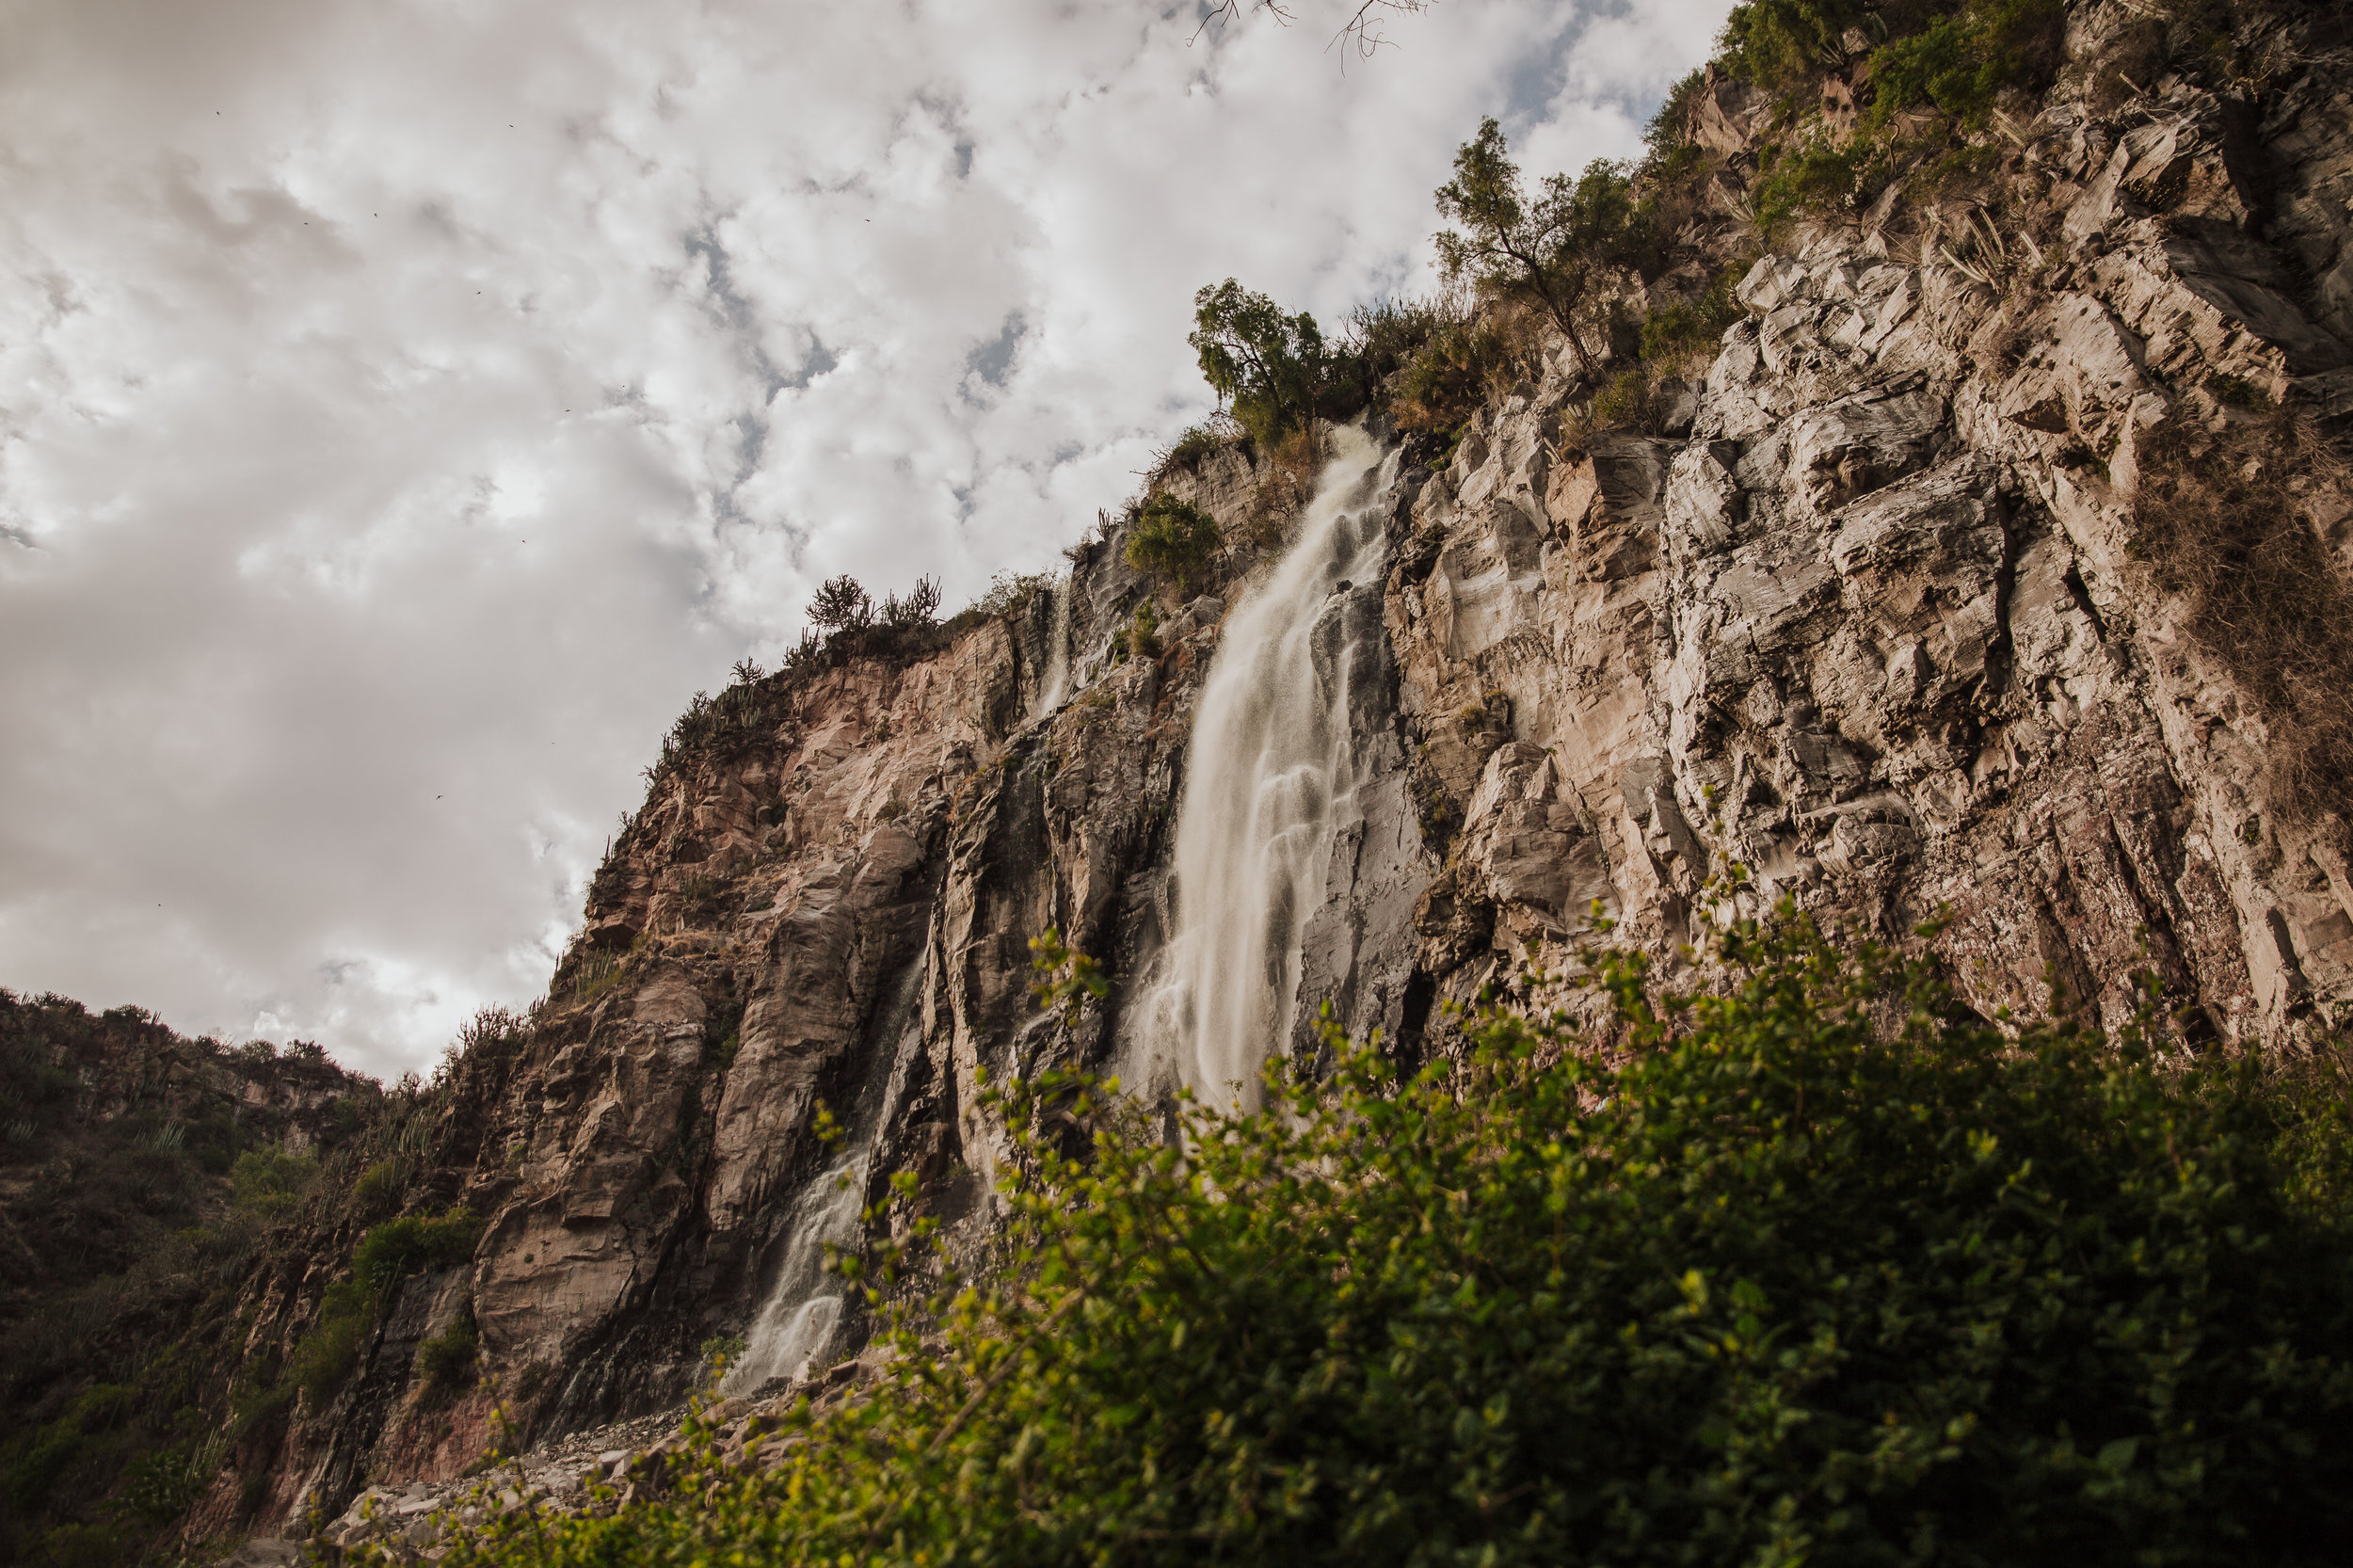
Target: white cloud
(405, 406)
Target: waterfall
(1270, 777)
(796, 1327)
(1054, 684)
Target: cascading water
(800, 1325)
(1054, 684)
(1270, 776)
(803, 1309)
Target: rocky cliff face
(1873, 611)
(1880, 625)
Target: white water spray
(1054, 684)
(1271, 774)
(796, 1328)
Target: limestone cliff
(1878, 608)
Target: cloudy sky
(406, 406)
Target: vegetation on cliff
(1796, 1271)
(1818, 1267)
(202, 1240)
(141, 1177)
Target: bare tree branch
(1361, 32)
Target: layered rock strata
(1867, 616)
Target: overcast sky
(406, 406)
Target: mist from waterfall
(804, 1303)
(1269, 775)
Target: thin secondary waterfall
(1269, 775)
(1054, 684)
(803, 1309)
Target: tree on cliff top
(842, 605)
(1266, 365)
(1557, 250)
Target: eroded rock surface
(1871, 622)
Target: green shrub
(1689, 328)
(1765, 1282)
(1173, 539)
(1962, 62)
(330, 1351)
(1140, 638)
(1382, 339)
(387, 1255)
(1821, 174)
(1778, 43)
(1630, 401)
(1459, 366)
(380, 1188)
(718, 1353)
(262, 1405)
(84, 1547)
(445, 1360)
(162, 1485)
(271, 1183)
(1008, 594)
(1197, 442)
(1663, 135)
(392, 1252)
(31, 1471)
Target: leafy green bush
(1008, 594)
(82, 1547)
(380, 1188)
(162, 1485)
(330, 1351)
(1688, 329)
(1455, 371)
(1381, 340)
(1822, 1269)
(271, 1183)
(1775, 43)
(1663, 135)
(1197, 442)
(393, 1251)
(387, 1255)
(445, 1360)
(1173, 539)
(1630, 401)
(1960, 62)
(1821, 174)
(1140, 638)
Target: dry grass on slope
(2231, 520)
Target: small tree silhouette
(1269, 366)
(842, 605)
(921, 604)
(1556, 252)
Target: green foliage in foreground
(1783, 1285)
